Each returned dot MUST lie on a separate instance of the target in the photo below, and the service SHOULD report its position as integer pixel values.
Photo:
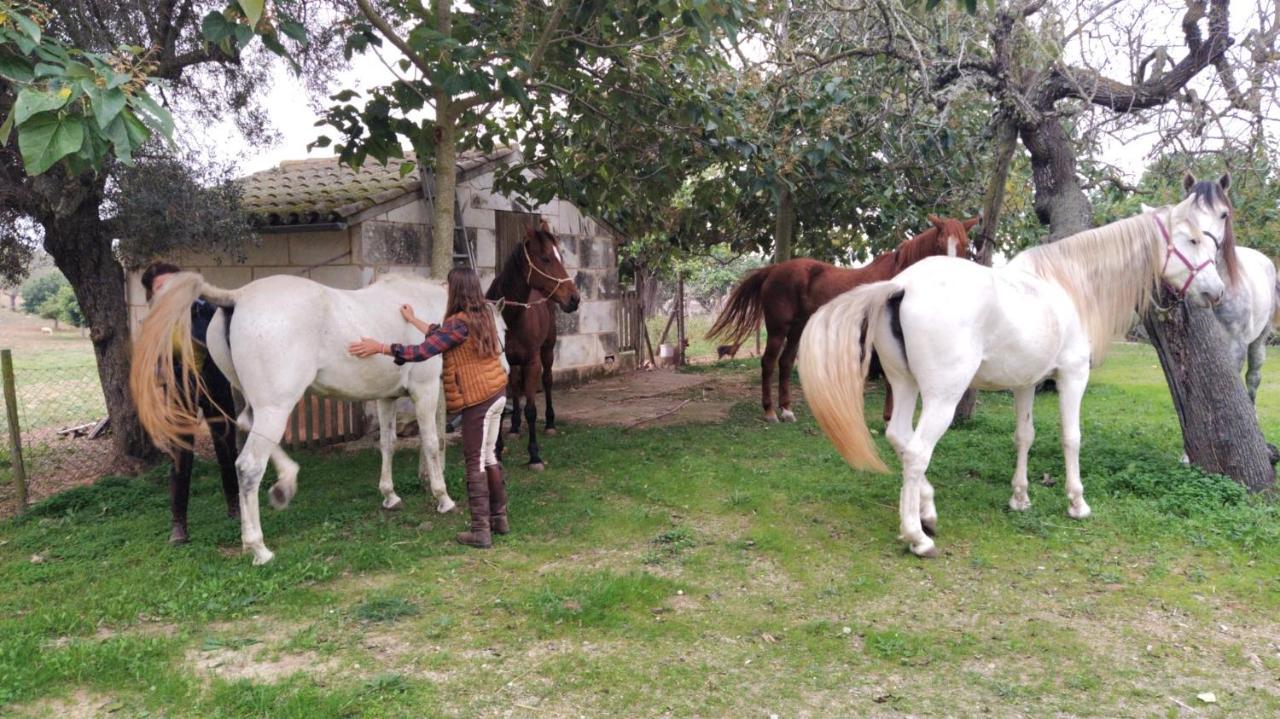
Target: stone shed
(344, 228)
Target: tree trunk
(446, 182)
(81, 248)
(1220, 430)
(984, 240)
(784, 226)
(1059, 203)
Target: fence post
(15, 436)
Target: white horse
(1249, 311)
(276, 338)
(946, 324)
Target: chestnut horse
(533, 276)
(787, 293)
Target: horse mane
(509, 276)
(917, 248)
(1209, 194)
(1108, 272)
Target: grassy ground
(734, 569)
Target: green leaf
(406, 168)
(32, 102)
(107, 105)
(153, 114)
(215, 28)
(48, 138)
(932, 4)
(15, 68)
(244, 35)
(30, 28)
(252, 9)
(295, 31)
(5, 129)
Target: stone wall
(325, 257)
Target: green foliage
(72, 104)
(1182, 490)
(64, 306)
(37, 291)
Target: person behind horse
(475, 387)
(216, 404)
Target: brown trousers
(481, 427)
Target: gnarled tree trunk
(1059, 202)
(1219, 428)
(80, 246)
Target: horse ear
(545, 226)
(936, 221)
(1225, 181)
(969, 223)
(1188, 181)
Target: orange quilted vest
(470, 378)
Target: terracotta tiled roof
(303, 192)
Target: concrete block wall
(325, 257)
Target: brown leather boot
(478, 505)
(497, 499)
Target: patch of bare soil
(252, 650)
(81, 704)
(654, 398)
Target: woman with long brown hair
(474, 386)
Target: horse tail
(742, 313)
(833, 385)
(163, 376)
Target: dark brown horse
(532, 278)
(786, 294)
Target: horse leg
(180, 492)
(898, 432)
(768, 364)
(785, 363)
(1071, 386)
(548, 358)
(1023, 401)
(514, 389)
(530, 383)
(268, 428)
(286, 469)
(387, 443)
(1253, 376)
(917, 493)
(430, 460)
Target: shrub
(1181, 490)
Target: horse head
(546, 271)
(1194, 232)
(952, 237)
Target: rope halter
(1170, 251)
(504, 301)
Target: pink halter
(1171, 251)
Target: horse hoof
(929, 551)
(278, 497)
(537, 466)
(394, 506)
(1080, 511)
(770, 417)
(787, 416)
(262, 557)
(178, 536)
(549, 431)
(1019, 505)
(445, 506)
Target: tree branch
(389, 33)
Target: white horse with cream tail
(945, 324)
(274, 339)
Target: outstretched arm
(441, 338)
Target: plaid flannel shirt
(441, 338)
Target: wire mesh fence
(61, 421)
